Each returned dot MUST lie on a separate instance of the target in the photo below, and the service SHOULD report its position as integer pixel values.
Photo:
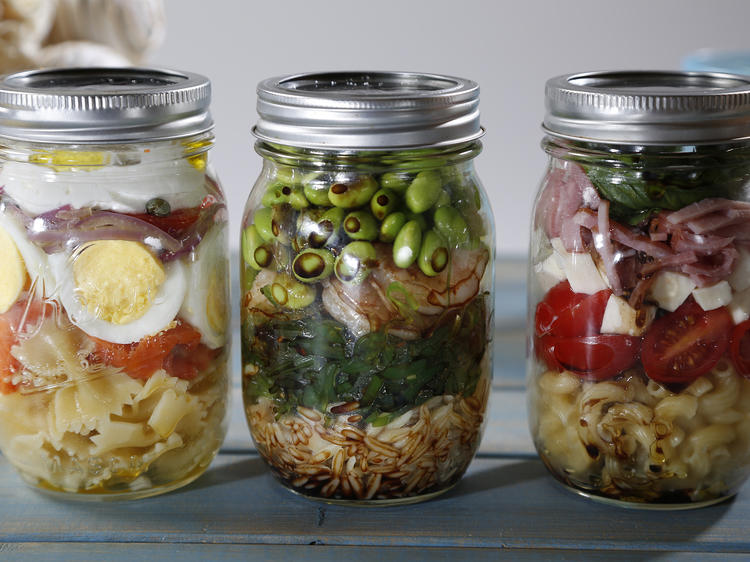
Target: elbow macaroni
(635, 439)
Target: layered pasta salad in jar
(639, 290)
(113, 314)
(366, 319)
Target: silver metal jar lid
(367, 110)
(103, 105)
(649, 107)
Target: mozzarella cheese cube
(739, 308)
(548, 273)
(579, 268)
(714, 296)
(740, 277)
(621, 318)
(671, 289)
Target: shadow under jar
(639, 288)
(367, 286)
(114, 282)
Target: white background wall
(510, 48)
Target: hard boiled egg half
(117, 290)
(20, 261)
(205, 305)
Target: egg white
(35, 259)
(209, 262)
(38, 188)
(163, 309)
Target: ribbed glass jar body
(638, 317)
(113, 315)
(367, 319)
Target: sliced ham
(704, 207)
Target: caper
(263, 220)
(451, 225)
(433, 255)
(382, 203)
(355, 261)
(423, 192)
(361, 225)
(315, 189)
(255, 254)
(391, 226)
(312, 265)
(158, 207)
(396, 181)
(407, 244)
(354, 194)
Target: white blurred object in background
(49, 33)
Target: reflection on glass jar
(367, 299)
(113, 292)
(638, 289)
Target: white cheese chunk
(739, 308)
(621, 318)
(714, 296)
(579, 268)
(740, 277)
(671, 289)
(548, 273)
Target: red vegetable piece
(685, 344)
(565, 313)
(739, 348)
(597, 357)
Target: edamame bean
(396, 181)
(297, 199)
(444, 199)
(281, 220)
(354, 194)
(309, 230)
(433, 255)
(288, 176)
(313, 265)
(423, 192)
(407, 244)
(419, 217)
(354, 263)
(315, 189)
(361, 225)
(287, 292)
(391, 226)
(276, 194)
(383, 203)
(263, 219)
(451, 225)
(254, 252)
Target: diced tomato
(739, 348)
(177, 350)
(23, 316)
(597, 357)
(176, 223)
(566, 314)
(687, 343)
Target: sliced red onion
(212, 215)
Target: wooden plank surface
(501, 503)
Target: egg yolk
(117, 280)
(12, 271)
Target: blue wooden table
(506, 505)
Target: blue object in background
(715, 60)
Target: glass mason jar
(367, 285)
(639, 288)
(113, 289)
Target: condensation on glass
(367, 289)
(639, 288)
(114, 281)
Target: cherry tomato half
(739, 348)
(685, 344)
(598, 357)
(565, 313)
